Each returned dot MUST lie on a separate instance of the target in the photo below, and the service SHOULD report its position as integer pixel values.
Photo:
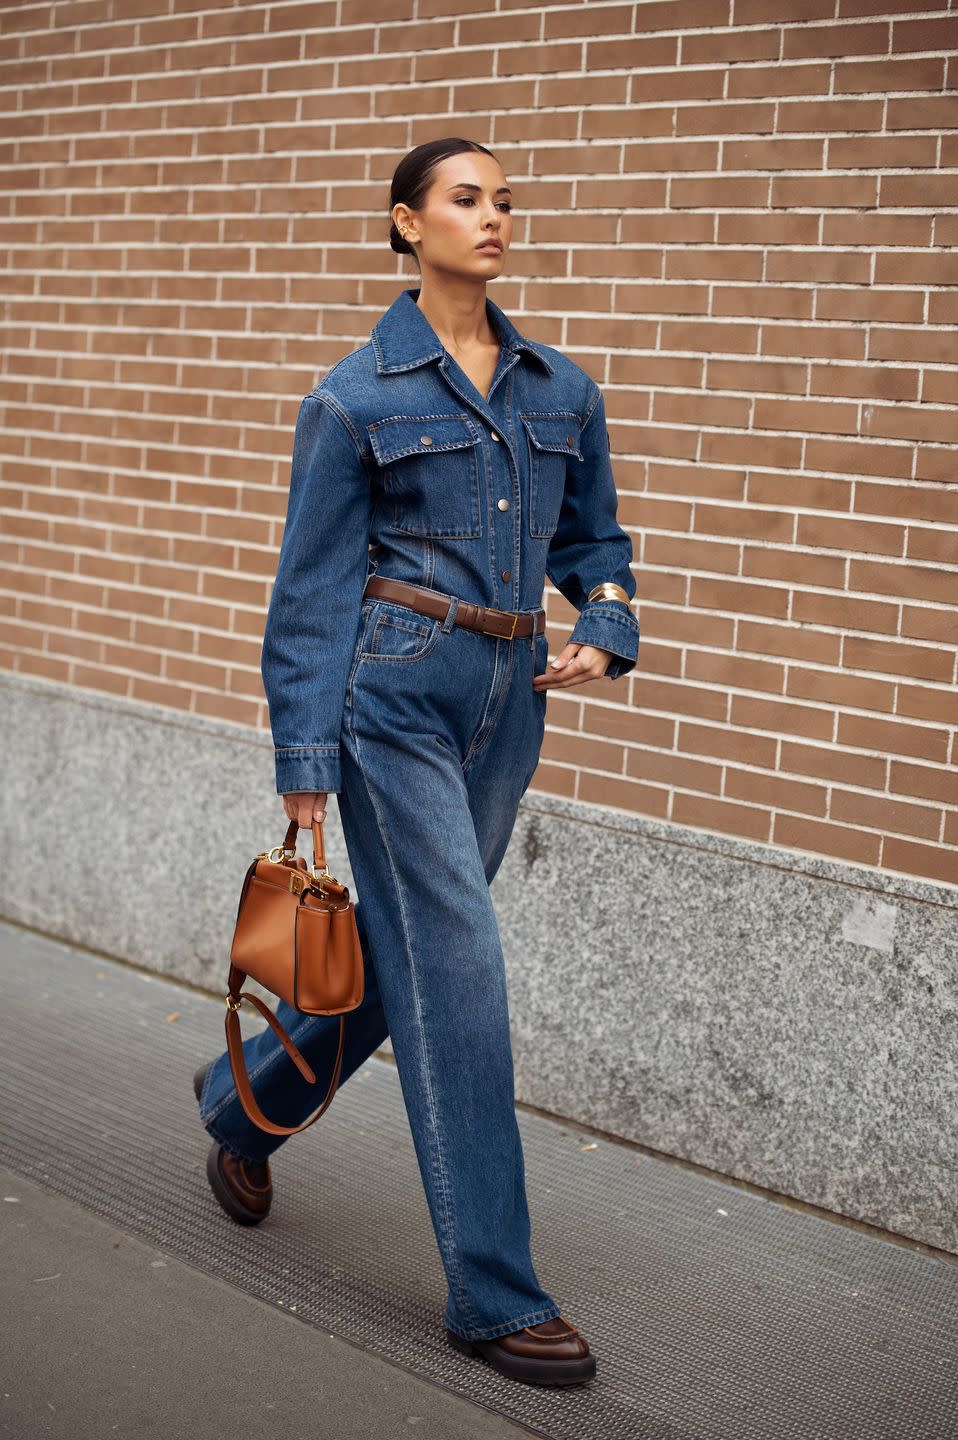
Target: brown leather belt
(508, 624)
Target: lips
(493, 246)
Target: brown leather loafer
(550, 1353)
(244, 1188)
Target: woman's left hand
(575, 665)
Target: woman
(439, 473)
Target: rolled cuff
(611, 625)
(308, 767)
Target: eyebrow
(503, 189)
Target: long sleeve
(313, 614)
(590, 546)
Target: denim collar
(403, 338)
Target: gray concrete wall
(780, 1018)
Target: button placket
(506, 453)
(511, 503)
(508, 530)
(504, 533)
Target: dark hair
(414, 175)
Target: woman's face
(468, 202)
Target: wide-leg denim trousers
(441, 736)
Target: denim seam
(512, 442)
(419, 448)
(534, 1317)
(489, 726)
(381, 659)
(439, 1168)
(596, 396)
(403, 452)
(604, 615)
(229, 1147)
(484, 721)
(281, 749)
(491, 527)
(357, 656)
(552, 415)
(326, 398)
(433, 534)
(323, 384)
(384, 655)
(430, 415)
(406, 365)
(397, 624)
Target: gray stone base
(783, 1019)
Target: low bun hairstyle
(413, 177)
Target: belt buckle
(490, 610)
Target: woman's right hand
(305, 806)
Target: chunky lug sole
(526, 1367)
(221, 1188)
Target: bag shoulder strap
(234, 1044)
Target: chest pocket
(430, 473)
(553, 440)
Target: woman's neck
(458, 315)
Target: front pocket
(553, 438)
(430, 473)
(400, 634)
(541, 653)
(540, 665)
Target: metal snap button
(503, 504)
(425, 439)
(568, 441)
(494, 435)
(507, 574)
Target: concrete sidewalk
(102, 1333)
(715, 1313)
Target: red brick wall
(740, 217)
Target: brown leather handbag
(296, 935)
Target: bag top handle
(319, 842)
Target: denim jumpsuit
(429, 733)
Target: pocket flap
(419, 435)
(554, 432)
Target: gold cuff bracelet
(607, 590)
